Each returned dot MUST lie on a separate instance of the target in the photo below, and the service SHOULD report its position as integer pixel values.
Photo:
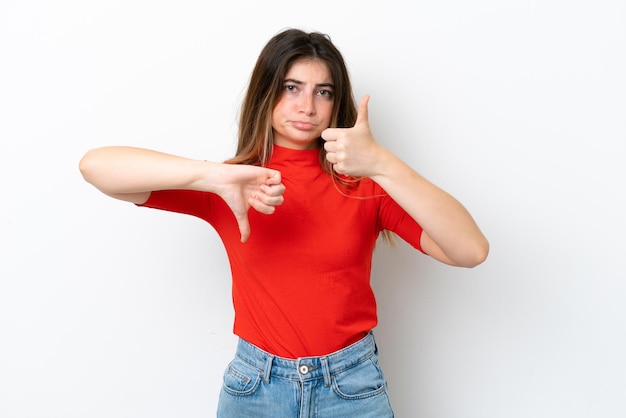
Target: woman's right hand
(245, 186)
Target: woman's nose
(307, 104)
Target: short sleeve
(398, 221)
(190, 202)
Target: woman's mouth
(303, 126)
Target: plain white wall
(515, 107)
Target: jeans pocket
(241, 379)
(364, 380)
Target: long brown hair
(266, 86)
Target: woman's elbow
(87, 166)
(94, 170)
(476, 255)
(84, 165)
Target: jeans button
(304, 369)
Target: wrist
(207, 176)
(383, 163)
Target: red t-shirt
(301, 283)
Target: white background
(517, 108)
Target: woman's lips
(303, 126)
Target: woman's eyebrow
(298, 82)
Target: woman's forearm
(119, 170)
(446, 221)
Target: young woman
(321, 189)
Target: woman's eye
(290, 88)
(325, 93)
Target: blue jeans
(347, 383)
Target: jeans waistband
(307, 368)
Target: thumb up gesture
(353, 151)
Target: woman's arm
(131, 174)
(450, 234)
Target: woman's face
(305, 107)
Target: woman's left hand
(353, 151)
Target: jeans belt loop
(326, 371)
(268, 368)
